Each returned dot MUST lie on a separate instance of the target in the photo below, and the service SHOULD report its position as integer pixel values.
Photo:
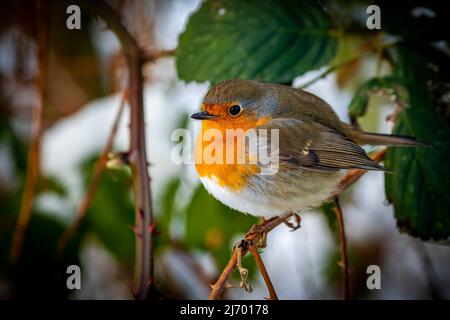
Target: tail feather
(387, 139)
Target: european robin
(314, 150)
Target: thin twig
(144, 225)
(253, 238)
(265, 275)
(152, 56)
(97, 173)
(343, 248)
(333, 68)
(34, 152)
(221, 283)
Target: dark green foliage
(260, 40)
(419, 187)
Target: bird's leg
(297, 224)
(259, 229)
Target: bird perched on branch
(314, 148)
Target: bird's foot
(293, 225)
(260, 230)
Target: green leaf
(359, 103)
(419, 186)
(258, 39)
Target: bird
(315, 148)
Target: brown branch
(138, 152)
(221, 283)
(151, 56)
(343, 249)
(34, 152)
(252, 238)
(366, 52)
(265, 275)
(96, 175)
(331, 70)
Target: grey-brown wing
(314, 146)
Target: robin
(314, 150)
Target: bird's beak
(204, 115)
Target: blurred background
(85, 76)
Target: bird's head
(236, 104)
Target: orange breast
(234, 175)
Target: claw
(259, 229)
(296, 225)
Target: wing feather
(316, 147)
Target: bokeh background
(86, 76)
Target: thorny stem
(34, 153)
(92, 188)
(144, 282)
(343, 248)
(252, 238)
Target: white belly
(249, 201)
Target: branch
(252, 238)
(265, 275)
(34, 152)
(97, 174)
(343, 248)
(333, 68)
(151, 56)
(137, 153)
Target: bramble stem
(343, 248)
(34, 152)
(144, 225)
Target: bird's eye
(234, 110)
